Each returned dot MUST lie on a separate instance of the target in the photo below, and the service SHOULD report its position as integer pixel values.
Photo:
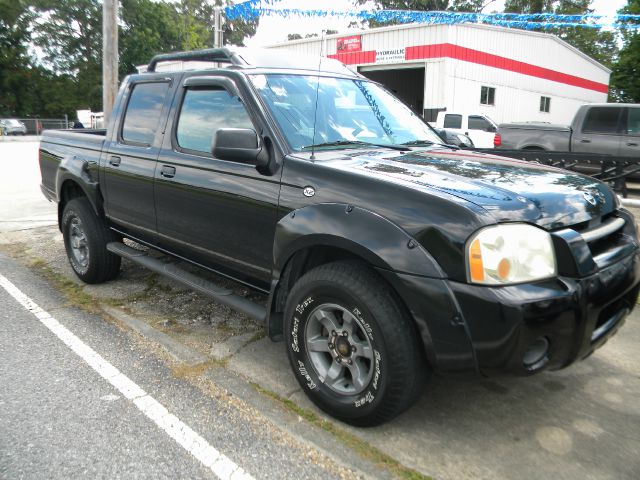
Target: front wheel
(352, 347)
(85, 240)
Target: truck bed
(534, 136)
(56, 145)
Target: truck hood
(510, 190)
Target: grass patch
(365, 450)
(193, 371)
(259, 335)
(73, 292)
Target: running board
(220, 295)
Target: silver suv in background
(12, 126)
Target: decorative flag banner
(253, 9)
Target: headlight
(510, 253)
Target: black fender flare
(369, 235)
(382, 243)
(84, 174)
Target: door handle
(115, 161)
(632, 144)
(167, 172)
(585, 140)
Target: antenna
(315, 109)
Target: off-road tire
(351, 292)
(99, 265)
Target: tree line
(51, 61)
(51, 50)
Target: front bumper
(489, 329)
(574, 316)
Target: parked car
(385, 255)
(480, 128)
(608, 128)
(11, 126)
(454, 138)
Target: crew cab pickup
(386, 254)
(608, 128)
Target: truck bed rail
(608, 168)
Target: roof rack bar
(223, 55)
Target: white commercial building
(503, 73)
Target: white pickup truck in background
(480, 128)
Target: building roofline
(410, 26)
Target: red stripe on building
(448, 50)
(352, 58)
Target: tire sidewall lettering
(303, 366)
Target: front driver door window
(218, 212)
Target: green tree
(475, 6)
(235, 32)
(70, 36)
(146, 29)
(197, 25)
(528, 6)
(625, 86)
(15, 62)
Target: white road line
(219, 464)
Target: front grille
(606, 239)
(603, 231)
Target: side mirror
(239, 145)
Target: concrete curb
(177, 350)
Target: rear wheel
(351, 345)
(85, 240)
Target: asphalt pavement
(61, 419)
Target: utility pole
(109, 56)
(217, 27)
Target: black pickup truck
(386, 255)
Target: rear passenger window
(479, 123)
(452, 121)
(143, 112)
(633, 121)
(203, 112)
(602, 120)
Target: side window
(545, 104)
(452, 121)
(633, 121)
(143, 112)
(487, 95)
(477, 122)
(203, 112)
(601, 120)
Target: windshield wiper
(339, 143)
(418, 142)
(426, 143)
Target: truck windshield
(350, 113)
